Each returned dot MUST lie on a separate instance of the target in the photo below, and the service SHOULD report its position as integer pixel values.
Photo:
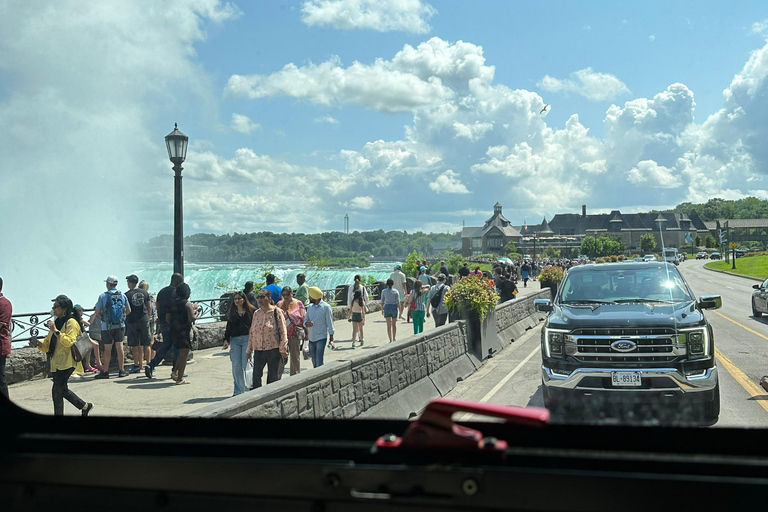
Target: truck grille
(651, 345)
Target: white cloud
(760, 27)
(362, 202)
(426, 76)
(448, 183)
(327, 119)
(378, 86)
(590, 84)
(379, 15)
(243, 124)
(654, 175)
(652, 38)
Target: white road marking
(730, 287)
(503, 381)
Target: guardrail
(26, 327)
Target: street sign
(733, 245)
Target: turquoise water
(210, 280)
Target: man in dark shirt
(508, 288)
(464, 270)
(137, 323)
(164, 300)
(444, 268)
(6, 311)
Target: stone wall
(396, 380)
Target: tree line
(717, 208)
(246, 247)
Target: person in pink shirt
(6, 310)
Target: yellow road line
(753, 389)
(756, 391)
(742, 326)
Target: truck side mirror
(542, 304)
(710, 302)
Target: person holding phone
(62, 334)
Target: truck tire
(712, 409)
(755, 312)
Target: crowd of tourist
(270, 329)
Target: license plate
(626, 379)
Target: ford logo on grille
(623, 346)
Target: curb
(735, 275)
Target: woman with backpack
(418, 305)
(62, 334)
(295, 313)
(239, 319)
(182, 314)
(357, 316)
(390, 298)
(267, 340)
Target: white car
(649, 257)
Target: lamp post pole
(178, 222)
(176, 143)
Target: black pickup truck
(631, 336)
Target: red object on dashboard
(435, 429)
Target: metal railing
(26, 327)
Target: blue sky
(405, 114)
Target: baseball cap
(111, 279)
(422, 268)
(398, 265)
(315, 292)
(133, 278)
(441, 277)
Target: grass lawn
(753, 266)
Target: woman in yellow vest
(62, 334)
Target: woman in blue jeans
(236, 336)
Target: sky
(403, 114)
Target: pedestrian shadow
(153, 385)
(206, 400)
(219, 354)
(758, 397)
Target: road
(514, 376)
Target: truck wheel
(712, 409)
(755, 312)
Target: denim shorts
(390, 310)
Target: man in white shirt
(399, 278)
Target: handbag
(249, 374)
(81, 347)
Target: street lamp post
(177, 153)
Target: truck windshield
(623, 286)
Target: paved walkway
(210, 376)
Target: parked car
(649, 257)
(715, 256)
(630, 335)
(760, 298)
(740, 252)
(701, 255)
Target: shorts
(390, 310)
(138, 334)
(112, 336)
(357, 317)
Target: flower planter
(552, 285)
(481, 336)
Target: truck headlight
(697, 341)
(554, 342)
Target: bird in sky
(544, 109)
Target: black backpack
(436, 298)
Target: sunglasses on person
(261, 297)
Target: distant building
(491, 237)
(567, 230)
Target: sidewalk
(210, 376)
